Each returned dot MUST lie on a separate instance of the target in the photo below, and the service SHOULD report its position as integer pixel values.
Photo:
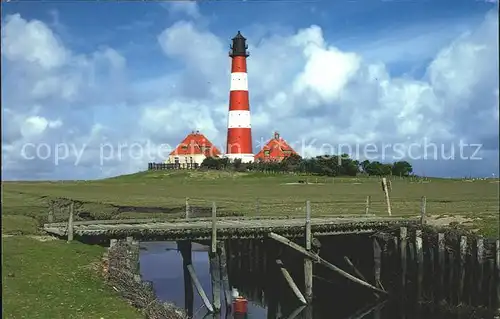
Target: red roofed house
(192, 150)
(275, 150)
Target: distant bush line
(326, 165)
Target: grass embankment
(53, 279)
(162, 194)
(47, 278)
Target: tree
(402, 168)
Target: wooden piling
(480, 265)
(185, 249)
(199, 288)
(215, 275)
(441, 260)
(497, 259)
(223, 273)
(377, 262)
(491, 286)
(323, 262)
(451, 271)
(290, 282)
(308, 266)
(367, 205)
(423, 209)
(187, 208)
(402, 238)
(214, 228)
(463, 255)
(420, 262)
(70, 222)
(386, 193)
(358, 273)
(432, 262)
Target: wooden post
(358, 273)
(50, 218)
(441, 258)
(216, 279)
(308, 266)
(70, 222)
(290, 282)
(214, 228)
(480, 265)
(187, 207)
(323, 262)
(463, 254)
(451, 275)
(420, 262)
(377, 262)
(367, 205)
(491, 286)
(423, 208)
(223, 273)
(386, 192)
(402, 237)
(185, 249)
(199, 288)
(497, 259)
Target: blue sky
(82, 74)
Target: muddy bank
(121, 270)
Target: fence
(168, 166)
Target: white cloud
(300, 85)
(187, 7)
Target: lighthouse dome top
(239, 36)
(239, 46)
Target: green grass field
(162, 194)
(53, 279)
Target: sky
(98, 89)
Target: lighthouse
(239, 130)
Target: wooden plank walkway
(201, 229)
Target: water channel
(161, 263)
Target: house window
(287, 152)
(184, 147)
(266, 153)
(176, 160)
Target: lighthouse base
(245, 158)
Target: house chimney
(276, 135)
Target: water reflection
(161, 263)
(259, 280)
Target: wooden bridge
(225, 227)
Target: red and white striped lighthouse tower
(239, 130)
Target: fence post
(187, 207)
(70, 222)
(367, 206)
(386, 192)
